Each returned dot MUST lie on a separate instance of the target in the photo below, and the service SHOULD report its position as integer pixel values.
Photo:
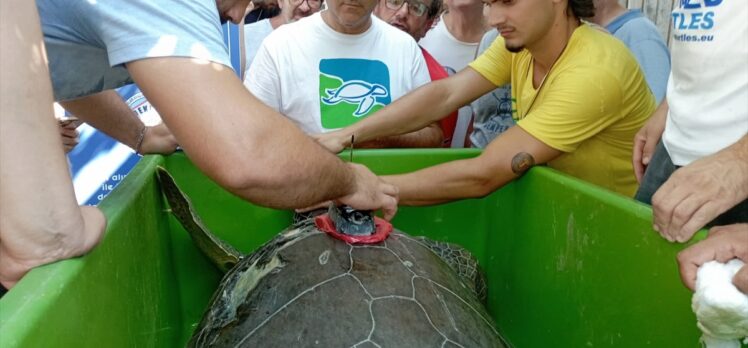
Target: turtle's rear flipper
(223, 255)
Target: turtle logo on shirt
(351, 89)
(356, 92)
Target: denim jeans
(659, 170)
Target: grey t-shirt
(492, 112)
(88, 42)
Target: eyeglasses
(415, 7)
(313, 4)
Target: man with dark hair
(578, 97)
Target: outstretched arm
(425, 105)
(505, 159)
(244, 145)
(108, 112)
(429, 136)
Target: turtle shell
(304, 288)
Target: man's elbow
(245, 177)
(486, 180)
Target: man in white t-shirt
(699, 171)
(336, 67)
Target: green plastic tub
(568, 264)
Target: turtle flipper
(462, 262)
(223, 255)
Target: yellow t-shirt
(590, 106)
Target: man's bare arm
(505, 159)
(108, 112)
(429, 136)
(425, 105)
(246, 147)
(40, 221)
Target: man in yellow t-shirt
(578, 93)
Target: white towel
(721, 309)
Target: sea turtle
(304, 288)
(363, 93)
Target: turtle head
(351, 221)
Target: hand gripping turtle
(304, 288)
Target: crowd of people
(583, 86)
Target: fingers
(698, 220)
(648, 150)
(718, 231)
(389, 200)
(740, 280)
(639, 167)
(331, 141)
(664, 202)
(688, 216)
(691, 258)
(723, 244)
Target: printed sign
(351, 89)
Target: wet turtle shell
(304, 288)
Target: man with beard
(174, 51)
(339, 66)
(416, 18)
(579, 97)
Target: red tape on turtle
(382, 231)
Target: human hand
(646, 140)
(698, 193)
(722, 244)
(334, 141)
(158, 140)
(371, 193)
(289, 14)
(69, 134)
(21, 255)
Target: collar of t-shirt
(623, 19)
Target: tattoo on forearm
(521, 162)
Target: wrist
(140, 139)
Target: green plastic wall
(568, 264)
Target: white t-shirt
(447, 50)
(324, 80)
(708, 87)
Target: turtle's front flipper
(223, 255)
(461, 261)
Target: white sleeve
(262, 79)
